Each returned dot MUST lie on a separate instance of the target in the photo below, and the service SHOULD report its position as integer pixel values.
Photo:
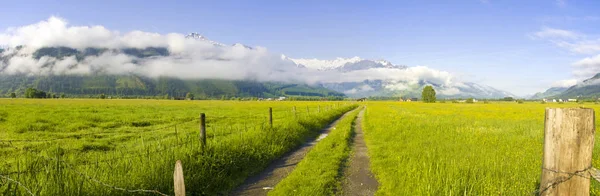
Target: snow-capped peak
(197, 36)
(326, 64)
(343, 64)
(242, 45)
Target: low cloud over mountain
(53, 47)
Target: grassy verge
(458, 149)
(62, 168)
(319, 172)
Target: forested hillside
(139, 86)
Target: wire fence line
(580, 173)
(95, 133)
(18, 183)
(72, 168)
(240, 128)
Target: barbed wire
(289, 115)
(579, 173)
(97, 133)
(115, 187)
(71, 167)
(18, 183)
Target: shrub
(520, 101)
(469, 100)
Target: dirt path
(279, 169)
(358, 177)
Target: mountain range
(587, 89)
(353, 77)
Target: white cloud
(573, 41)
(449, 91)
(587, 67)
(189, 58)
(553, 33)
(361, 89)
(580, 47)
(565, 83)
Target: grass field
(91, 147)
(319, 172)
(82, 147)
(458, 149)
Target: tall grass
(452, 149)
(319, 172)
(133, 149)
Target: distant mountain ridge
(135, 86)
(587, 89)
(551, 92)
(113, 83)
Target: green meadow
(124, 147)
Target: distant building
(281, 99)
(572, 100)
(544, 100)
(362, 99)
(560, 100)
(553, 100)
(270, 99)
(475, 101)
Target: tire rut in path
(358, 179)
(262, 183)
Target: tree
(189, 96)
(34, 93)
(62, 96)
(102, 96)
(469, 100)
(508, 99)
(428, 94)
(13, 95)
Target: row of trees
(33, 93)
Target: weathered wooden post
(568, 144)
(319, 109)
(202, 130)
(179, 184)
(271, 116)
(307, 110)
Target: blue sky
(491, 42)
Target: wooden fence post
(271, 116)
(307, 110)
(319, 109)
(202, 130)
(179, 184)
(568, 144)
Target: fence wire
(239, 128)
(580, 173)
